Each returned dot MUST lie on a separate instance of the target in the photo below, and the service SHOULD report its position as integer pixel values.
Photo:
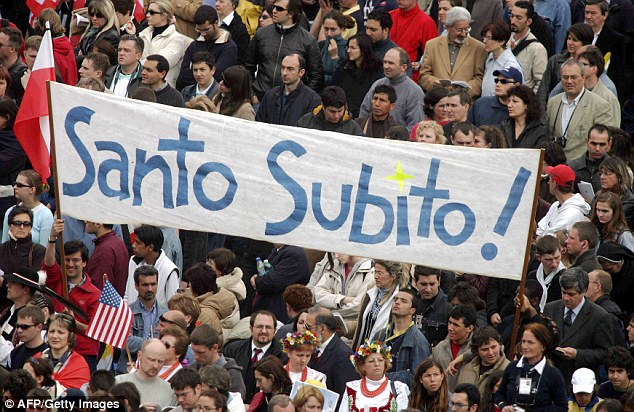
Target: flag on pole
(112, 321)
(31, 124)
(139, 12)
(36, 6)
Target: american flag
(113, 319)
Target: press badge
(525, 386)
(7, 329)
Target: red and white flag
(112, 321)
(31, 124)
(139, 12)
(36, 6)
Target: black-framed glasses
(23, 326)
(96, 14)
(164, 319)
(153, 12)
(504, 81)
(18, 184)
(20, 223)
(457, 405)
(279, 9)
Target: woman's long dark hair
(618, 223)
(534, 107)
(238, 79)
(420, 398)
(370, 61)
(273, 368)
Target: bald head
(151, 358)
(172, 318)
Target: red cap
(562, 174)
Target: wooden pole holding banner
(58, 210)
(527, 256)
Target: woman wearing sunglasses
(103, 25)
(69, 367)
(20, 251)
(176, 342)
(27, 189)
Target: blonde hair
(202, 102)
(106, 8)
(166, 7)
(49, 15)
(434, 127)
(304, 394)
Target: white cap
(583, 380)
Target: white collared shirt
(575, 310)
(264, 349)
(204, 92)
(324, 345)
(568, 109)
(227, 20)
(539, 367)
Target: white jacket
(168, 279)
(332, 286)
(572, 211)
(169, 44)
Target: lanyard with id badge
(526, 387)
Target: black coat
(268, 48)
(274, 110)
(290, 267)
(590, 334)
(533, 135)
(334, 362)
(356, 84)
(240, 351)
(239, 35)
(611, 41)
(223, 49)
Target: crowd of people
(213, 330)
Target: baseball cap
(583, 380)
(562, 174)
(510, 73)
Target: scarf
(545, 282)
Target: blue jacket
(135, 340)
(414, 349)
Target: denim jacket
(414, 349)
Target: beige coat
(613, 101)
(469, 66)
(169, 44)
(442, 354)
(470, 373)
(216, 307)
(184, 11)
(534, 60)
(233, 283)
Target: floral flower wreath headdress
(368, 348)
(293, 340)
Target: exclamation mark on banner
(489, 250)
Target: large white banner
(125, 161)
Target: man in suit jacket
(584, 328)
(246, 352)
(455, 56)
(332, 357)
(572, 113)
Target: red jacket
(411, 30)
(85, 296)
(111, 258)
(64, 56)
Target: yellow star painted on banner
(399, 176)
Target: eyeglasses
(164, 319)
(504, 81)
(205, 30)
(279, 9)
(153, 12)
(23, 326)
(265, 17)
(465, 30)
(453, 405)
(96, 14)
(308, 327)
(20, 223)
(167, 345)
(182, 394)
(18, 184)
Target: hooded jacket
(571, 211)
(64, 56)
(214, 307)
(316, 120)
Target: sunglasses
(20, 223)
(279, 9)
(505, 81)
(167, 345)
(96, 14)
(23, 326)
(153, 12)
(164, 319)
(18, 184)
